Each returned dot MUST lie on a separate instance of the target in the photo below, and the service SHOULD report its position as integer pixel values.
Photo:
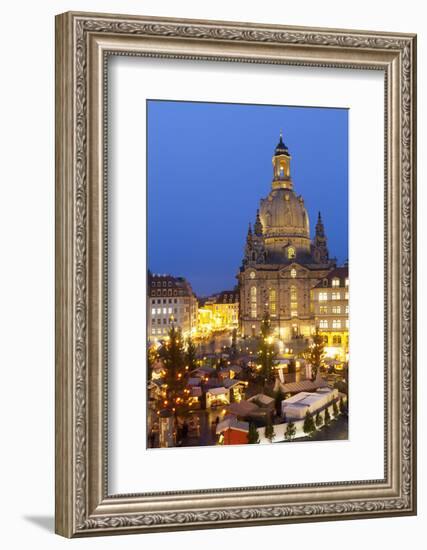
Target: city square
(266, 361)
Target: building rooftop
(281, 148)
(303, 385)
(262, 399)
(230, 382)
(305, 399)
(231, 423)
(340, 273)
(168, 282)
(243, 408)
(217, 391)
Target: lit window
(335, 282)
(323, 309)
(346, 295)
(323, 296)
(336, 309)
(153, 311)
(346, 282)
(293, 273)
(294, 313)
(293, 293)
(291, 252)
(336, 296)
(336, 323)
(164, 311)
(323, 323)
(272, 300)
(346, 309)
(253, 302)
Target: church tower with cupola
(281, 264)
(282, 166)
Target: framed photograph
(235, 274)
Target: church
(281, 263)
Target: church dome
(283, 214)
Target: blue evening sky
(209, 164)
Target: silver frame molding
(83, 43)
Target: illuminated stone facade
(330, 299)
(171, 301)
(219, 312)
(281, 263)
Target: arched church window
(253, 301)
(294, 301)
(293, 293)
(272, 301)
(291, 252)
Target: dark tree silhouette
(309, 426)
(253, 435)
(290, 431)
(315, 353)
(335, 409)
(266, 353)
(269, 430)
(190, 355)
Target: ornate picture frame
(84, 42)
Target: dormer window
(335, 282)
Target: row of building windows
(336, 282)
(167, 292)
(159, 330)
(168, 283)
(165, 310)
(336, 323)
(165, 321)
(164, 301)
(336, 340)
(337, 310)
(324, 296)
